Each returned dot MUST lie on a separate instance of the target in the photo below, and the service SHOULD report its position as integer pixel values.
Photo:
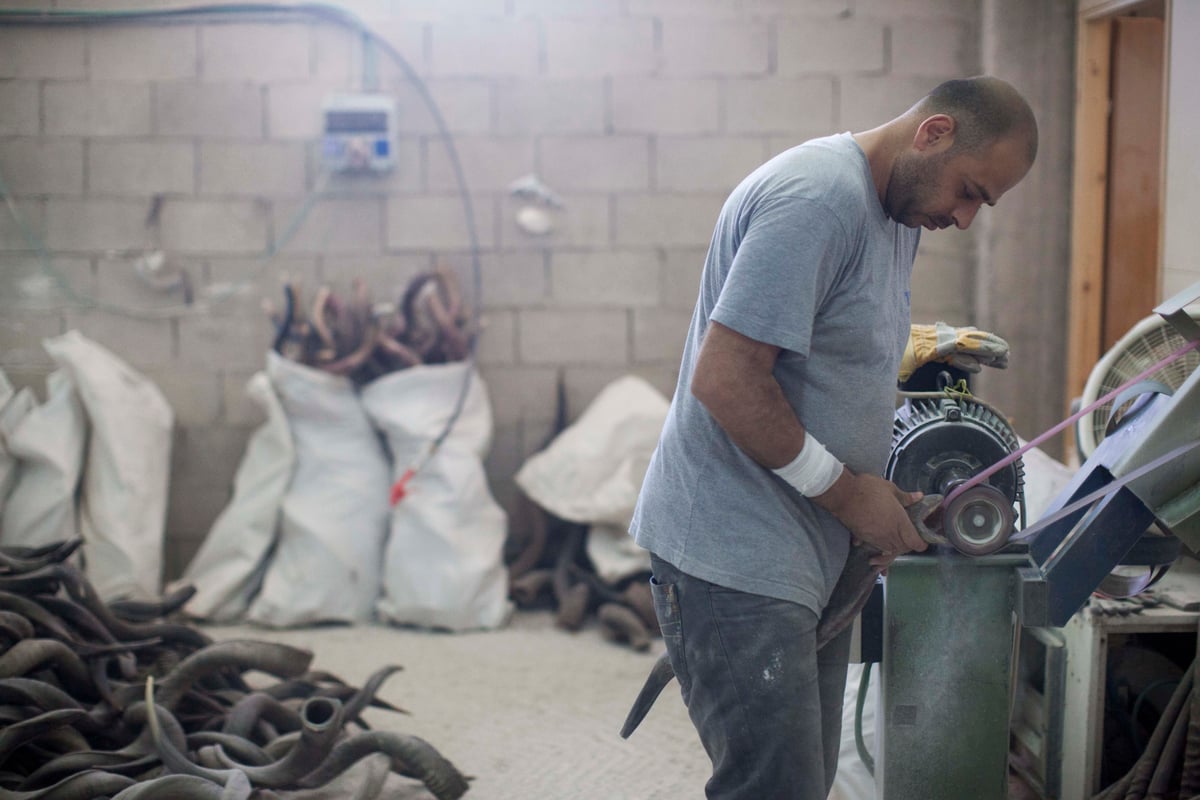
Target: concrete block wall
(199, 139)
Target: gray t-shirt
(803, 257)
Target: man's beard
(913, 182)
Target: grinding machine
(952, 615)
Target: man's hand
(873, 510)
(967, 348)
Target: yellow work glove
(967, 348)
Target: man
(770, 460)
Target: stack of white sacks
(310, 535)
(90, 461)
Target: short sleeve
(786, 263)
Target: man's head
(964, 144)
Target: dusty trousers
(767, 706)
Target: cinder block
(665, 106)
(294, 109)
(336, 55)
(408, 36)
(726, 9)
(195, 397)
(14, 236)
(21, 335)
(507, 279)
(211, 226)
(436, 222)
(465, 106)
(143, 343)
(594, 337)
(118, 284)
(659, 335)
(934, 47)
(840, 45)
(332, 225)
(867, 102)
(42, 166)
(50, 52)
(237, 409)
(715, 47)
(218, 341)
(33, 377)
(453, 9)
(952, 243)
(484, 48)
(255, 52)
(521, 393)
(923, 9)
(206, 455)
(548, 107)
(96, 224)
(589, 163)
(783, 9)
(708, 164)
(141, 168)
(489, 164)
(497, 341)
(21, 105)
(941, 288)
(252, 168)
(97, 109)
(157, 53)
(191, 511)
(596, 47)
(803, 107)
(574, 8)
(605, 278)
(667, 220)
(585, 221)
(38, 286)
(217, 110)
(237, 287)
(682, 268)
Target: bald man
(771, 458)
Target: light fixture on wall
(534, 216)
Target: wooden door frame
(1089, 193)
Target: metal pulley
(940, 443)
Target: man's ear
(935, 133)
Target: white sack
(49, 445)
(228, 568)
(333, 518)
(13, 408)
(444, 565)
(592, 472)
(123, 506)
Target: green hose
(863, 683)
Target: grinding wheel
(979, 521)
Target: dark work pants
(767, 706)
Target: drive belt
(982, 476)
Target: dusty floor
(533, 713)
(530, 711)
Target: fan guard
(1149, 341)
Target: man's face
(937, 188)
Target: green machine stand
(947, 675)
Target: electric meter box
(359, 133)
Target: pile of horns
(115, 701)
(430, 324)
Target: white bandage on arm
(813, 471)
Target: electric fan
(1149, 341)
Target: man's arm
(734, 380)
